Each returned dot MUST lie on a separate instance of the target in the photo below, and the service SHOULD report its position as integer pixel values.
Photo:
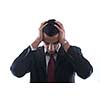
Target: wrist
(65, 45)
(38, 39)
(36, 43)
(63, 42)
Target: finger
(42, 26)
(60, 24)
(57, 27)
(43, 23)
(60, 29)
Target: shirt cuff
(32, 48)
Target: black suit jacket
(66, 65)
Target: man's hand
(61, 32)
(40, 31)
(62, 39)
(39, 39)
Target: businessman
(56, 61)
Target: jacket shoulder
(75, 49)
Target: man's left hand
(62, 39)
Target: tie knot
(52, 55)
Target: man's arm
(80, 64)
(24, 61)
(74, 55)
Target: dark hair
(50, 29)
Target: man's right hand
(39, 39)
(40, 31)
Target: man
(55, 62)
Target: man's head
(51, 36)
(50, 29)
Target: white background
(19, 23)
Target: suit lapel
(60, 53)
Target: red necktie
(51, 69)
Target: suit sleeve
(81, 65)
(22, 63)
